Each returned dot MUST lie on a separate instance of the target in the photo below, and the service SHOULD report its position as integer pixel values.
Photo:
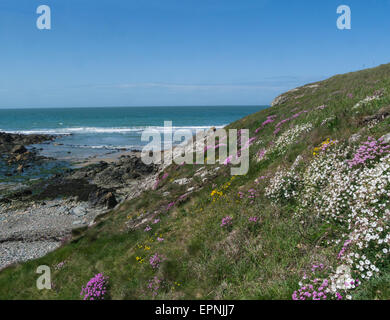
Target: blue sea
(94, 132)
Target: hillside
(310, 219)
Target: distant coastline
(85, 133)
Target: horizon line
(151, 106)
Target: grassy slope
(203, 260)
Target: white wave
(108, 147)
(86, 130)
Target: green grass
(203, 260)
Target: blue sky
(180, 52)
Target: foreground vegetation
(309, 220)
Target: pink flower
(226, 221)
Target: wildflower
(226, 221)
(154, 285)
(269, 119)
(257, 181)
(96, 288)
(156, 260)
(260, 154)
(147, 229)
(60, 265)
(170, 205)
(288, 137)
(368, 151)
(140, 260)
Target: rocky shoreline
(13, 150)
(35, 218)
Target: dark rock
(19, 149)
(17, 195)
(380, 115)
(60, 187)
(115, 175)
(104, 198)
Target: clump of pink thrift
(96, 288)
(170, 205)
(270, 119)
(260, 154)
(369, 150)
(154, 285)
(155, 260)
(227, 221)
(343, 249)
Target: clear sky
(180, 52)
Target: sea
(97, 132)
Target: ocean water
(91, 132)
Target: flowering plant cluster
(96, 288)
(327, 120)
(155, 260)
(154, 285)
(376, 96)
(289, 137)
(315, 285)
(353, 198)
(216, 194)
(322, 107)
(170, 205)
(159, 180)
(227, 221)
(324, 145)
(260, 154)
(284, 186)
(369, 150)
(60, 265)
(296, 115)
(251, 196)
(269, 119)
(253, 219)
